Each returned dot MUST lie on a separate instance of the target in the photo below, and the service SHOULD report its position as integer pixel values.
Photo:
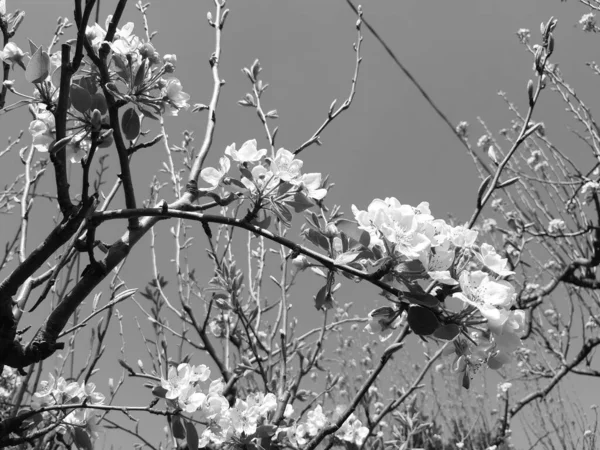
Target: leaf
(264, 431)
(191, 435)
(323, 299)
(99, 103)
(177, 427)
(130, 123)
(465, 380)
(447, 332)
(508, 182)
(88, 84)
(80, 98)
(159, 391)
(81, 439)
(264, 223)
(283, 214)
(55, 77)
(140, 75)
(346, 258)
(422, 320)
(413, 268)
(482, 188)
(38, 68)
(32, 47)
(300, 203)
(317, 238)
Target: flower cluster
(61, 392)
(191, 390)
(138, 76)
(351, 431)
(275, 184)
(419, 247)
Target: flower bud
(331, 230)
(300, 262)
(147, 50)
(171, 59)
(169, 68)
(96, 120)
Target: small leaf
(82, 439)
(317, 238)
(38, 67)
(347, 258)
(80, 98)
(140, 75)
(482, 188)
(508, 182)
(177, 427)
(99, 103)
(32, 47)
(447, 332)
(191, 435)
(130, 122)
(465, 380)
(159, 391)
(264, 431)
(323, 299)
(422, 320)
(300, 203)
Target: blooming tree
(239, 382)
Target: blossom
(214, 176)
(244, 418)
(42, 131)
(247, 152)
(175, 98)
(461, 236)
(316, 420)
(12, 55)
(125, 41)
(262, 179)
(285, 166)
(588, 22)
(383, 321)
(178, 379)
(200, 373)
(190, 399)
(492, 260)
(398, 224)
(77, 148)
(95, 35)
(352, 430)
(556, 225)
(311, 184)
(491, 297)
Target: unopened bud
(300, 262)
(331, 231)
(170, 59)
(96, 120)
(169, 68)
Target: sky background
(389, 143)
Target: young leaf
(130, 123)
(140, 76)
(178, 428)
(159, 391)
(317, 238)
(191, 435)
(323, 299)
(447, 332)
(81, 439)
(300, 203)
(38, 68)
(80, 98)
(422, 320)
(99, 103)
